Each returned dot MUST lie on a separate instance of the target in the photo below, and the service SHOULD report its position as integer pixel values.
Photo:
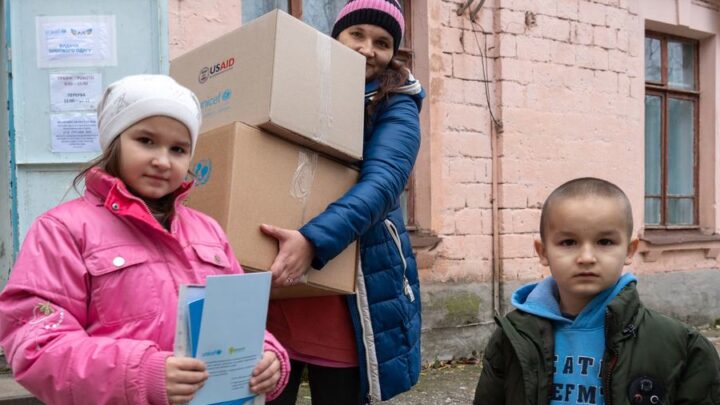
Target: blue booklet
(223, 324)
(194, 320)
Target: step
(11, 393)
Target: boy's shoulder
(518, 320)
(662, 326)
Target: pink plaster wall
(572, 105)
(457, 139)
(192, 23)
(568, 83)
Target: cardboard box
(246, 177)
(284, 76)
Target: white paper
(64, 41)
(74, 132)
(74, 91)
(231, 336)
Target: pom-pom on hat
(386, 14)
(134, 98)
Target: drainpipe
(496, 260)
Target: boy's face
(586, 246)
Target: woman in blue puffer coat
(360, 348)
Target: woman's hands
(266, 374)
(295, 253)
(183, 377)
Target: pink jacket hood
(88, 315)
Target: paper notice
(74, 91)
(74, 132)
(76, 41)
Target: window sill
(422, 239)
(654, 243)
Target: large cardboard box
(246, 177)
(284, 76)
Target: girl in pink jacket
(88, 315)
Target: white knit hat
(134, 98)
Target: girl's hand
(295, 253)
(183, 377)
(266, 374)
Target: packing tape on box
(323, 56)
(303, 178)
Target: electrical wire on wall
(483, 55)
(496, 127)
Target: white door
(57, 57)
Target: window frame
(664, 91)
(295, 8)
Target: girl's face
(154, 156)
(371, 41)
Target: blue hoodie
(579, 343)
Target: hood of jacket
(412, 87)
(542, 299)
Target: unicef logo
(202, 171)
(204, 75)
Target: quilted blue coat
(386, 309)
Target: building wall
(565, 78)
(192, 23)
(572, 105)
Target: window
(321, 15)
(671, 132)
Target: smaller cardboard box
(246, 177)
(284, 76)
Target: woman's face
(371, 41)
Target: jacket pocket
(210, 259)
(213, 255)
(397, 241)
(123, 286)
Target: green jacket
(640, 345)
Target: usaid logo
(213, 70)
(202, 171)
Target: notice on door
(65, 41)
(74, 91)
(74, 132)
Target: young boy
(582, 336)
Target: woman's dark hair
(109, 161)
(394, 76)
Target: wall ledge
(423, 239)
(653, 243)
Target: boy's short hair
(586, 187)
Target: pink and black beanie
(386, 14)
